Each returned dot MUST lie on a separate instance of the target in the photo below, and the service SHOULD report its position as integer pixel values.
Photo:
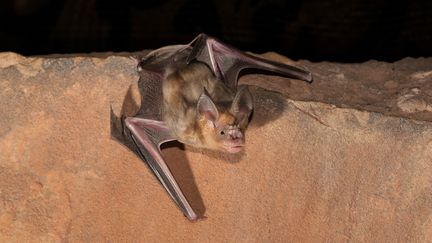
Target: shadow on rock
(173, 153)
(269, 106)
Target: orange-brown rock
(358, 168)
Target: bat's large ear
(242, 105)
(207, 108)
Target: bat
(201, 111)
(190, 93)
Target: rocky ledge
(347, 158)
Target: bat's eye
(222, 132)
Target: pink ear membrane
(242, 104)
(209, 115)
(207, 108)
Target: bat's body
(189, 93)
(200, 110)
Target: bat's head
(223, 128)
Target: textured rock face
(311, 172)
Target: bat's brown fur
(182, 89)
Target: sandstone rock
(355, 169)
(373, 86)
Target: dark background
(333, 30)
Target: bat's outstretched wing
(148, 135)
(145, 132)
(227, 61)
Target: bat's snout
(234, 144)
(234, 140)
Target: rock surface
(358, 168)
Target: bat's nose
(235, 134)
(234, 137)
